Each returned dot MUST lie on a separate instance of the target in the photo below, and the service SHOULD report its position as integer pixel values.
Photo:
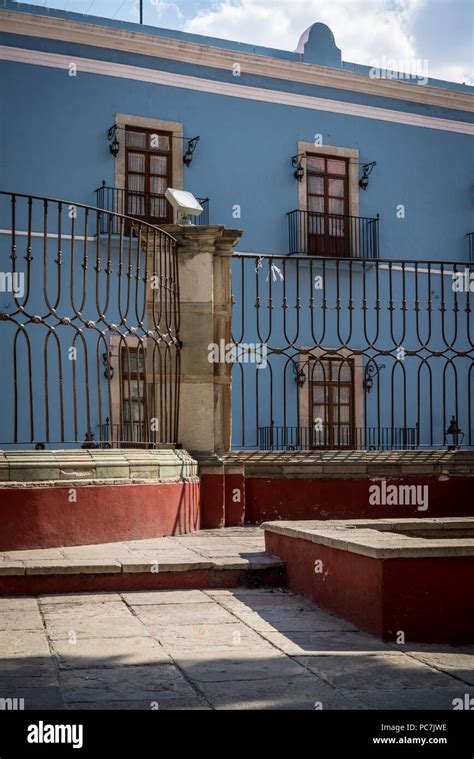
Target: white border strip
(122, 71)
(49, 235)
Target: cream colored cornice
(204, 55)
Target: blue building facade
(354, 191)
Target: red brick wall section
(44, 517)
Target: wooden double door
(148, 174)
(328, 224)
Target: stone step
(206, 559)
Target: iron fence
(89, 325)
(351, 353)
(333, 235)
(340, 436)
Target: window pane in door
(316, 185)
(159, 142)
(136, 182)
(136, 162)
(335, 206)
(158, 185)
(315, 164)
(316, 204)
(336, 167)
(158, 207)
(135, 139)
(158, 164)
(336, 188)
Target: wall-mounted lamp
(372, 370)
(456, 435)
(188, 156)
(300, 376)
(109, 369)
(297, 164)
(366, 170)
(114, 144)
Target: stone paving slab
(209, 637)
(302, 692)
(87, 610)
(71, 599)
(166, 702)
(380, 671)
(326, 643)
(236, 664)
(164, 615)
(140, 598)
(12, 619)
(214, 649)
(109, 652)
(36, 696)
(71, 566)
(110, 627)
(20, 603)
(413, 698)
(456, 663)
(132, 683)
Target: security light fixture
(366, 170)
(188, 156)
(455, 433)
(114, 144)
(184, 203)
(296, 162)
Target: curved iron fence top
(351, 259)
(99, 211)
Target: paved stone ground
(216, 649)
(213, 649)
(232, 548)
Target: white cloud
(365, 30)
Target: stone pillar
(204, 264)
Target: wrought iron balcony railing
(144, 206)
(372, 349)
(88, 342)
(338, 436)
(333, 235)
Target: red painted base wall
(44, 517)
(430, 600)
(268, 499)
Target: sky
(434, 37)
